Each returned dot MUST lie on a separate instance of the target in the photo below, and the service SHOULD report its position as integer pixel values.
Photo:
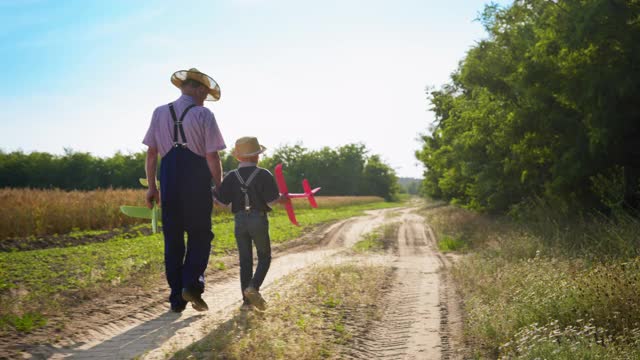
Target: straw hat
(247, 146)
(194, 74)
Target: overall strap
(177, 125)
(244, 186)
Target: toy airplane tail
(309, 193)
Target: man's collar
(246, 164)
(187, 98)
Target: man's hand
(153, 197)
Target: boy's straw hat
(194, 74)
(247, 146)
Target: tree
(543, 106)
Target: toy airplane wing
(142, 212)
(282, 184)
(137, 212)
(282, 187)
(288, 205)
(144, 182)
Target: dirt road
(419, 314)
(416, 323)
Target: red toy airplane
(308, 193)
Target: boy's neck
(242, 164)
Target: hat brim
(180, 76)
(235, 153)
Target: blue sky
(87, 75)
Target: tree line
(346, 170)
(547, 107)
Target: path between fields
(420, 311)
(421, 318)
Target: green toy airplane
(143, 212)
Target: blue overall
(185, 186)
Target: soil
(420, 311)
(420, 314)
(59, 241)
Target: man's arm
(215, 167)
(150, 166)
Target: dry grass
(306, 322)
(30, 212)
(469, 230)
(527, 297)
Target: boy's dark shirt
(262, 190)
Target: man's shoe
(178, 308)
(195, 299)
(255, 298)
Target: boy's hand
(283, 198)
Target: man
(185, 134)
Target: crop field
(64, 245)
(30, 213)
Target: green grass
(379, 239)
(25, 323)
(370, 242)
(556, 289)
(77, 233)
(448, 243)
(43, 280)
(281, 229)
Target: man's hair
(191, 83)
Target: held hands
(217, 203)
(153, 197)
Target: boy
(250, 190)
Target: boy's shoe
(255, 298)
(195, 299)
(246, 306)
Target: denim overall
(185, 186)
(251, 225)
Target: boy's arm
(280, 200)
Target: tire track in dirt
(414, 321)
(141, 326)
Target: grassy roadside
(380, 239)
(37, 283)
(546, 288)
(312, 320)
